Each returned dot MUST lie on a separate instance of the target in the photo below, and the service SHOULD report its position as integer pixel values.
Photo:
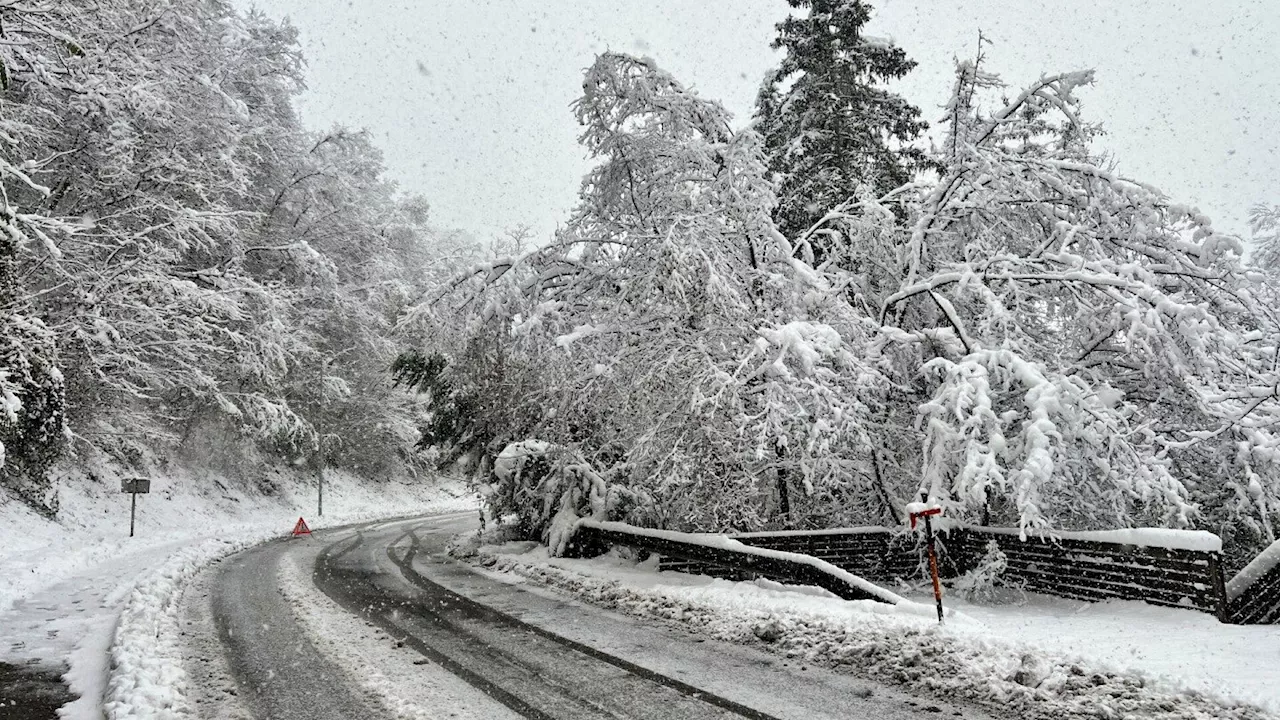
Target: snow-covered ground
(1177, 648)
(79, 592)
(1046, 657)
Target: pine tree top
(831, 129)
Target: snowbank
(961, 660)
(146, 675)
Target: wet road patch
(32, 692)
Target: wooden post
(324, 406)
(933, 566)
(784, 496)
(933, 557)
(1222, 606)
(133, 510)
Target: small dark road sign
(133, 486)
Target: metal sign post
(320, 477)
(133, 486)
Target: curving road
(539, 654)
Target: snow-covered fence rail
(876, 553)
(1253, 595)
(725, 552)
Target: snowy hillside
(92, 526)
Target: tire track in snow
(534, 672)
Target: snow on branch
(1032, 338)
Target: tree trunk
(882, 491)
(784, 497)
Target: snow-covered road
(381, 631)
(416, 622)
(89, 617)
(280, 673)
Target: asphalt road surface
(540, 655)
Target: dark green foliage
(419, 372)
(426, 374)
(520, 498)
(478, 403)
(828, 123)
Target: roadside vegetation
(809, 318)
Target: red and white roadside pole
(925, 511)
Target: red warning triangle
(301, 528)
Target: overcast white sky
(469, 99)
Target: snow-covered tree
(147, 118)
(1045, 343)
(662, 323)
(645, 293)
(829, 122)
(1081, 351)
(32, 393)
(199, 259)
(1264, 222)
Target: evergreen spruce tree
(829, 124)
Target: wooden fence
(710, 558)
(1065, 566)
(1082, 569)
(1093, 570)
